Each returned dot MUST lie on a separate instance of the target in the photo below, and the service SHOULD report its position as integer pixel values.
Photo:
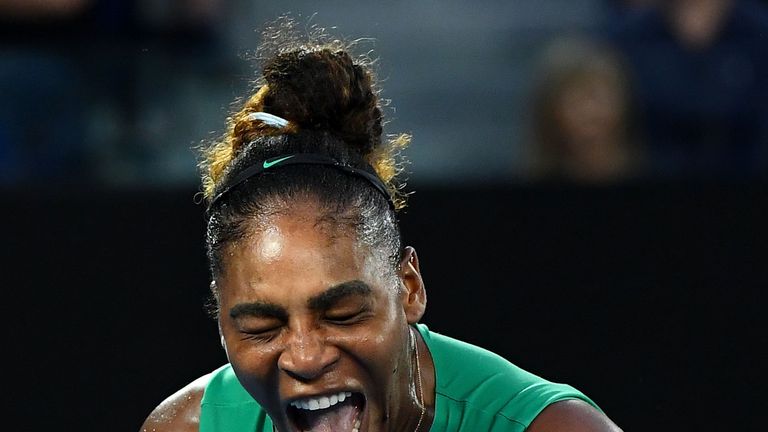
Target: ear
(414, 295)
(223, 342)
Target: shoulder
(180, 412)
(572, 415)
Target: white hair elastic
(268, 119)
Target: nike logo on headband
(268, 164)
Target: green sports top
(476, 390)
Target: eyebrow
(333, 295)
(322, 301)
(259, 310)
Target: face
(311, 318)
(697, 22)
(590, 110)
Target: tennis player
(318, 301)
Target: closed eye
(347, 318)
(260, 335)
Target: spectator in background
(699, 69)
(581, 115)
(41, 109)
(93, 90)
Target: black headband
(297, 159)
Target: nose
(307, 355)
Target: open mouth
(339, 412)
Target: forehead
(296, 253)
(302, 211)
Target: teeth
(321, 402)
(324, 402)
(356, 427)
(314, 404)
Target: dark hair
(329, 98)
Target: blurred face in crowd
(697, 22)
(315, 325)
(590, 109)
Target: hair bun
(325, 89)
(322, 90)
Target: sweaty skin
(271, 245)
(307, 311)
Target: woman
(317, 300)
(582, 122)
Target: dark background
(649, 297)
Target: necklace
(418, 377)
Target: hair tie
(268, 119)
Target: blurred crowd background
(118, 93)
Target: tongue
(340, 418)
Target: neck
(424, 379)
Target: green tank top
(476, 390)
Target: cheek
(383, 346)
(254, 364)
